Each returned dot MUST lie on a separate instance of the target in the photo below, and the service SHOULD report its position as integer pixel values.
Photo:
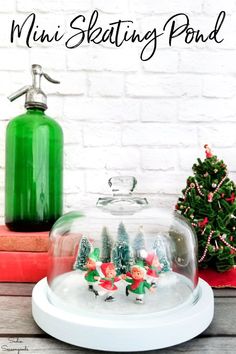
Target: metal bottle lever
(50, 79)
(18, 93)
(35, 97)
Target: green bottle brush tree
(209, 203)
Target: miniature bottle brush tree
(209, 203)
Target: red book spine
(23, 266)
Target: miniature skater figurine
(137, 282)
(107, 283)
(92, 275)
(153, 268)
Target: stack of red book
(23, 256)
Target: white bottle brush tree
(209, 203)
(139, 246)
(160, 248)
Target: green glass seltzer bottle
(34, 162)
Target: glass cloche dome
(121, 262)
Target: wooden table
(18, 330)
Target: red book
(30, 267)
(23, 266)
(23, 241)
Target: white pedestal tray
(128, 333)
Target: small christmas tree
(106, 246)
(122, 255)
(122, 233)
(82, 255)
(139, 246)
(208, 202)
(160, 248)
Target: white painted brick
(187, 157)
(157, 134)
(50, 59)
(122, 158)
(162, 62)
(78, 157)
(55, 107)
(7, 6)
(71, 83)
(214, 7)
(207, 109)
(2, 178)
(97, 181)
(74, 181)
(162, 6)
(76, 5)
(157, 85)
(158, 159)
(228, 156)
(14, 59)
(159, 110)
(3, 125)
(72, 132)
(2, 206)
(99, 59)
(105, 110)
(12, 81)
(106, 84)
(218, 86)
(110, 7)
(38, 5)
(219, 135)
(5, 27)
(165, 201)
(79, 202)
(95, 158)
(156, 182)
(205, 61)
(101, 134)
(10, 110)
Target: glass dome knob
(122, 201)
(122, 185)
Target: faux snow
(70, 292)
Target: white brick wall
(121, 115)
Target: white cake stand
(126, 333)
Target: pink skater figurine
(153, 268)
(108, 282)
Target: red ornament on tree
(231, 199)
(208, 151)
(203, 223)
